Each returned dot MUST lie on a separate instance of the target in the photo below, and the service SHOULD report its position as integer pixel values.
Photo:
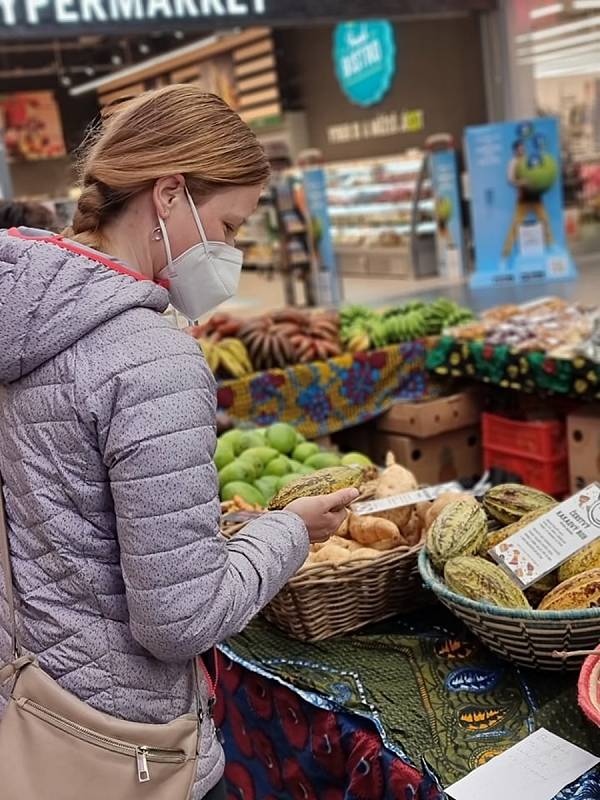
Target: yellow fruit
(585, 559)
(511, 501)
(459, 530)
(580, 591)
(324, 481)
(478, 579)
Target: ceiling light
(557, 30)
(545, 72)
(546, 11)
(566, 41)
(144, 48)
(65, 80)
(179, 34)
(562, 53)
(116, 59)
(586, 5)
(89, 71)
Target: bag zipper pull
(141, 754)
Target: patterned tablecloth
(327, 396)
(394, 712)
(528, 372)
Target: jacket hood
(53, 292)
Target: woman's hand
(324, 514)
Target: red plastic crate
(551, 477)
(544, 440)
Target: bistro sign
(59, 18)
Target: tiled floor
(258, 293)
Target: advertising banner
(32, 126)
(448, 214)
(315, 191)
(516, 203)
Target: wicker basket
(530, 638)
(589, 687)
(325, 600)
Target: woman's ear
(166, 192)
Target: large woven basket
(325, 600)
(589, 687)
(530, 638)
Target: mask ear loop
(167, 244)
(197, 219)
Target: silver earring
(157, 234)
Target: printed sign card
(536, 768)
(542, 546)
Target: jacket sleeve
(187, 587)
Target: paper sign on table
(536, 768)
(547, 542)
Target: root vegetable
(370, 529)
(394, 480)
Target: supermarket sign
(364, 54)
(60, 18)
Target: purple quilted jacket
(107, 434)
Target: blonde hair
(178, 129)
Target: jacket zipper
(142, 753)
(212, 684)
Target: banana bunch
(229, 356)
(405, 327)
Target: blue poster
(315, 190)
(364, 54)
(516, 203)
(448, 216)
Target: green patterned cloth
(430, 687)
(527, 372)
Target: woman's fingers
(340, 499)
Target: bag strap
(7, 573)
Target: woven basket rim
(355, 565)
(440, 589)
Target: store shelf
(402, 229)
(378, 208)
(376, 187)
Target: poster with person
(32, 126)
(517, 203)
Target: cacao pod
(511, 501)
(478, 579)
(580, 591)
(324, 481)
(459, 530)
(585, 559)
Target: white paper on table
(536, 768)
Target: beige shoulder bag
(55, 747)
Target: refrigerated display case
(370, 208)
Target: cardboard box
(432, 417)
(437, 459)
(583, 436)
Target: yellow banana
(238, 350)
(231, 363)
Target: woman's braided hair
(178, 129)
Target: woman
(107, 425)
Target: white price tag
(531, 240)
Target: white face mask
(204, 276)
